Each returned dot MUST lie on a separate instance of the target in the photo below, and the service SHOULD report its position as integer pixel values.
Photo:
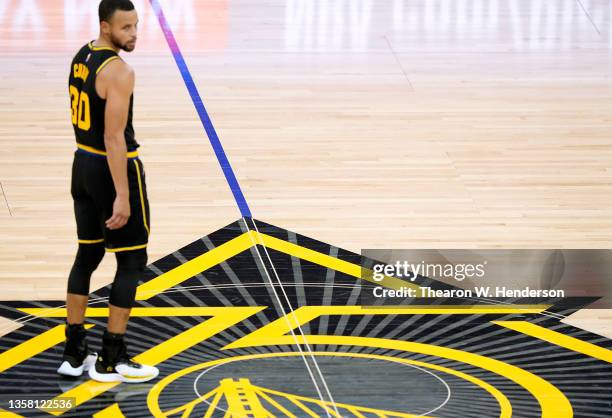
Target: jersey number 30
(80, 108)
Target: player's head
(118, 23)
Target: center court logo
(410, 271)
(239, 395)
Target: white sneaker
(115, 365)
(125, 370)
(71, 367)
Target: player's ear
(105, 27)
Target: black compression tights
(130, 269)
(87, 260)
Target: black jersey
(87, 107)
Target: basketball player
(109, 193)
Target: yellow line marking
(222, 318)
(137, 311)
(242, 243)
(33, 346)
(304, 408)
(356, 413)
(192, 267)
(9, 414)
(559, 339)
(188, 407)
(142, 203)
(112, 411)
(275, 404)
(106, 62)
(333, 263)
(552, 401)
(333, 413)
(305, 314)
(213, 405)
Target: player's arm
(119, 87)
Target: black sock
(113, 347)
(76, 345)
(109, 336)
(74, 330)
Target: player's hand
(121, 213)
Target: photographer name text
(480, 292)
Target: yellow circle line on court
(153, 398)
(553, 403)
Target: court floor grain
(361, 124)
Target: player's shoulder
(118, 67)
(117, 70)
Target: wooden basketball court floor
(361, 124)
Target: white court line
(289, 326)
